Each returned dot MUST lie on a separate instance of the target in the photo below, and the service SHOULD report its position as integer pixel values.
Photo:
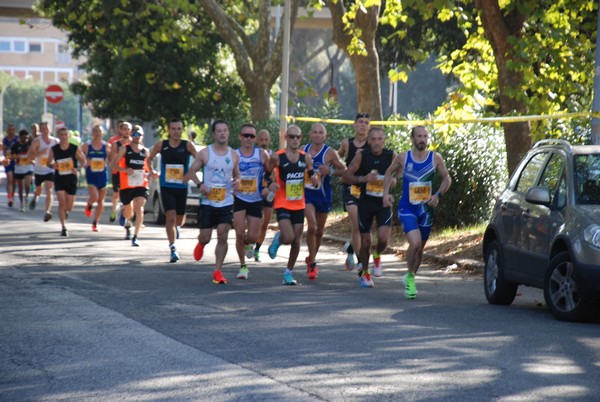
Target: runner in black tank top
(348, 149)
(368, 170)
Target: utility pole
(285, 74)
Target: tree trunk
(499, 28)
(258, 61)
(260, 99)
(366, 68)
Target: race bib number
(375, 188)
(294, 189)
(136, 179)
(248, 185)
(44, 161)
(419, 192)
(217, 193)
(65, 166)
(355, 191)
(97, 165)
(174, 173)
(24, 160)
(308, 181)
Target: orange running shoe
(313, 271)
(88, 210)
(218, 278)
(198, 251)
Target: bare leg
(100, 205)
(48, 185)
(239, 224)
(170, 224)
(295, 245)
(221, 249)
(61, 197)
(365, 249)
(414, 254)
(311, 233)
(355, 236)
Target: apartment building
(35, 49)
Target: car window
(531, 172)
(552, 174)
(587, 179)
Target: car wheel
(497, 289)
(560, 290)
(158, 215)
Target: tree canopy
(148, 60)
(518, 57)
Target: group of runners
(240, 188)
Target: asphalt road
(91, 318)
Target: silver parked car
(545, 231)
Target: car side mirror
(538, 196)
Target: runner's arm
(81, 157)
(114, 164)
(390, 178)
(348, 177)
(440, 166)
(336, 161)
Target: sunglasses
(292, 136)
(248, 135)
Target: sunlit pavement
(89, 317)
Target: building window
(20, 46)
(4, 46)
(35, 47)
(62, 53)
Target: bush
(475, 157)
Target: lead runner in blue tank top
(319, 199)
(415, 208)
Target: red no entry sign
(54, 94)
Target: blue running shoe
(274, 246)
(174, 256)
(122, 219)
(365, 281)
(288, 279)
